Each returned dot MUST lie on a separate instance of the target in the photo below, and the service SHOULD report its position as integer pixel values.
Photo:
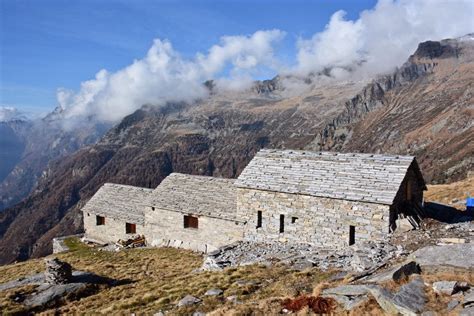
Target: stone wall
(166, 228)
(319, 221)
(416, 190)
(111, 232)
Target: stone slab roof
(357, 177)
(201, 195)
(119, 201)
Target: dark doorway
(259, 219)
(282, 223)
(352, 231)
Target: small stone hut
(325, 198)
(193, 212)
(115, 212)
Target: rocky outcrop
(422, 109)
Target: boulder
(233, 298)
(445, 287)
(403, 225)
(468, 298)
(452, 305)
(452, 256)
(405, 271)
(214, 292)
(188, 300)
(409, 300)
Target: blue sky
(57, 43)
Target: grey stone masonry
(355, 177)
(308, 219)
(199, 195)
(122, 202)
(212, 201)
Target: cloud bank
(8, 113)
(164, 76)
(382, 38)
(378, 41)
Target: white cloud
(9, 113)
(164, 76)
(378, 41)
(382, 38)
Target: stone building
(193, 212)
(326, 198)
(115, 212)
(321, 198)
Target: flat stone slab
(34, 279)
(347, 290)
(188, 300)
(468, 311)
(447, 255)
(409, 300)
(405, 271)
(348, 303)
(469, 298)
(52, 293)
(445, 287)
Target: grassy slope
(160, 278)
(453, 194)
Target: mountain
(28, 147)
(425, 109)
(12, 146)
(424, 103)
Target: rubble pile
(432, 232)
(57, 272)
(359, 257)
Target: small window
(352, 230)
(282, 223)
(99, 220)
(259, 219)
(190, 222)
(294, 219)
(130, 228)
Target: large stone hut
(321, 198)
(115, 212)
(193, 212)
(324, 198)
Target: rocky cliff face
(35, 144)
(423, 108)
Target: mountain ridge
(219, 135)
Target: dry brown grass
(160, 277)
(450, 193)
